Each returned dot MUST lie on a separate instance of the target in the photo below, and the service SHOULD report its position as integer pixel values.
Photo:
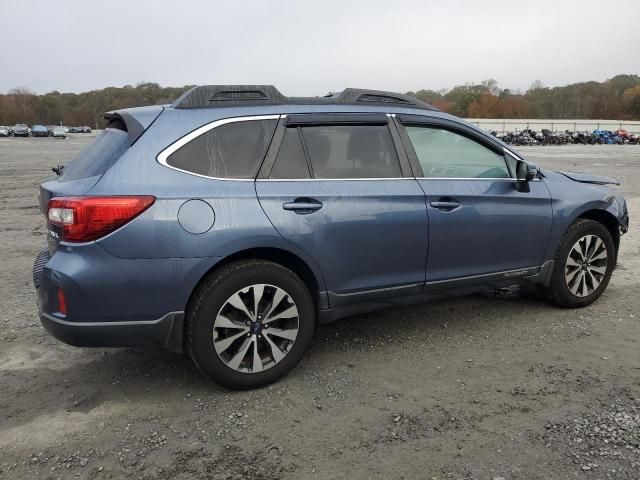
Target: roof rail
(251, 95)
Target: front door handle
(303, 206)
(446, 204)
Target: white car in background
(59, 132)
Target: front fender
(570, 203)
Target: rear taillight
(83, 219)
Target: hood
(586, 178)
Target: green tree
(631, 101)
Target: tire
(215, 306)
(567, 288)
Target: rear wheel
(583, 265)
(250, 323)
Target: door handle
(446, 205)
(303, 205)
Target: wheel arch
(312, 279)
(608, 220)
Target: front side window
(351, 151)
(445, 154)
(232, 150)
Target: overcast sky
(312, 47)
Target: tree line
(21, 105)
(617, 98)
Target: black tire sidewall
(218, 290)
(559, 286)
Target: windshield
(96, 158)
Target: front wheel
(583, 265)
(250, 323)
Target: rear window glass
(97, 157)
(351, 151)
(232, 150)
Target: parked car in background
(241, 219)
(83, 129)
(39, 131)
(4, 131)
(59, 132)
(20, 130)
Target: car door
(479, 222)
(337, 187)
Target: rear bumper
(114, 302)
(165, 332)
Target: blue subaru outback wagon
(231, 222)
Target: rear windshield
(97, 157)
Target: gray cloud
(308, 48)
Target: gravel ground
(468, 388)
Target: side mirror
(525, 172)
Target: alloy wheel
(586, 265)
(255, 328)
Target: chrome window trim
(383, 178)
(331, 179)
(499, 179)
(164, 154)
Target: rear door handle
(303, 205)
(445, 204)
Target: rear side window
(445, 154)
(97, 158)
(232, 150)
(351, 151)
(290, 161)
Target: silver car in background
(59, 132)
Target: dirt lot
(468, 388)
